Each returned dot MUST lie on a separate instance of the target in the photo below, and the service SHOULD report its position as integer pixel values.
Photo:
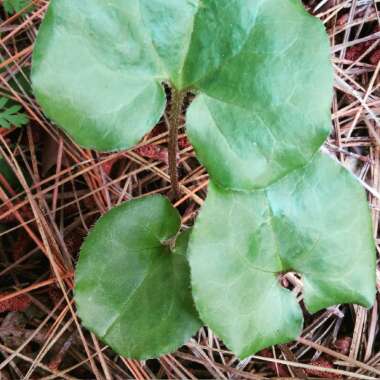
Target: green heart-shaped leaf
(98, 69)
(132, 289)
(314, 221)
(267, 110)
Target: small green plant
(262, 80)
(11, 115)
(14, 6)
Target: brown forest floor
(43, 224)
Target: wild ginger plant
(262, 79)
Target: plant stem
(174, 118)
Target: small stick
(174, 118)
